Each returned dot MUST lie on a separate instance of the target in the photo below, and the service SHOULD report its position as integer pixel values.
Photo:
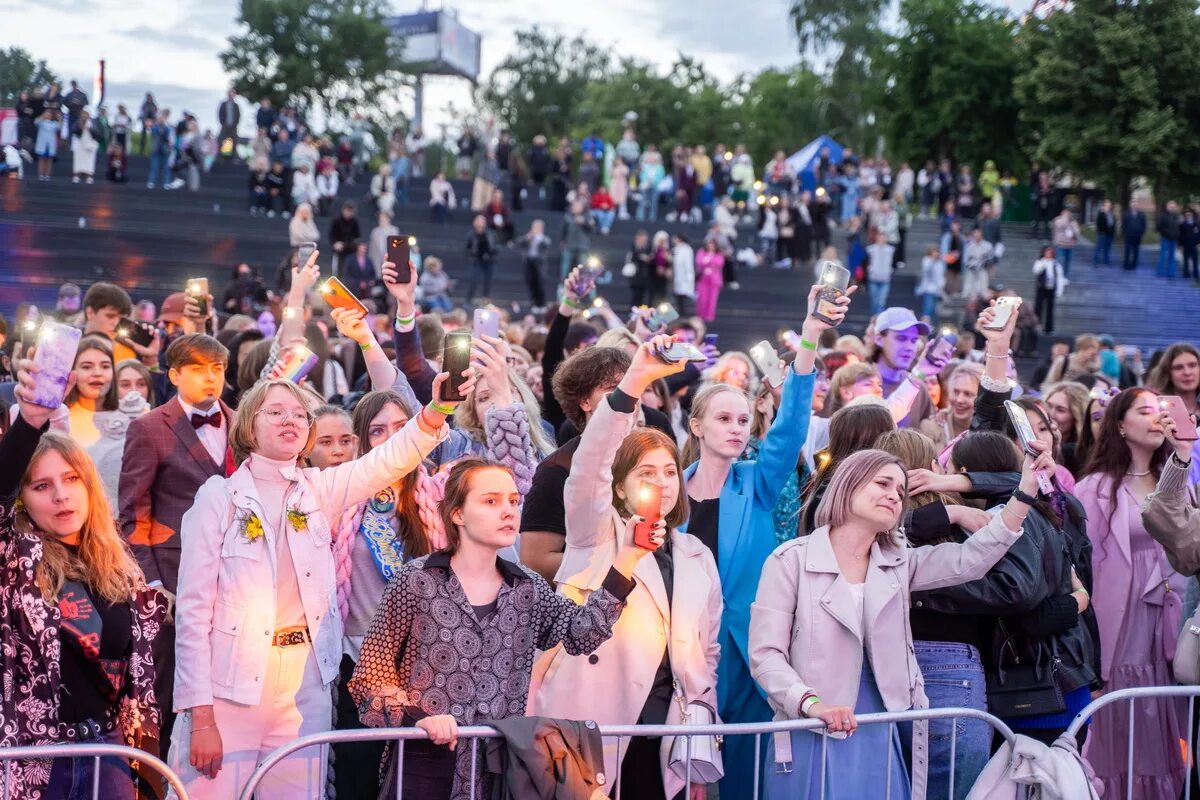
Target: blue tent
(804, 161)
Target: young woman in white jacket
(663, 653)
(259, 634)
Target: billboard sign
(438, 44)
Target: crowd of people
(210, 555)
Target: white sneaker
(149, 185)
(75, 179)
(271, 214)
(90, 180)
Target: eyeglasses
(281, 416)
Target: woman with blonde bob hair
(76, 618)
(259, 634)
(829, 633)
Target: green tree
(539, 86)
(779, 109)
(846, 34)
(950, 91)
(1110, 93)
(19, 72)
(329, 56)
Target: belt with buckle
(88, 729)
(289, 638)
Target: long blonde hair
(104, 562)
(466, 420)
(700, 403)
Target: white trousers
(294, 703)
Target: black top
(93, 629)
(484, 611)
(658, 702)
(702, 521)
(544, 509)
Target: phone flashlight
(761, 200)
(593, 260)
(412, 241)
(758, 186)
(289, 312)
(598, 303)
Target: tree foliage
(19, 72)
(950, 92)
(331, 56)
(1110, 91)
(539, 86)
(847, 35)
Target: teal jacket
(746, 529)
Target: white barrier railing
(96, 751)
(1131, 696)
(475, 733)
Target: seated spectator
(327, 189)
(435, 286)
(604, 209)
(441, 197)
(278, 196)
(304, 187)
(117, 164)
(282, 150)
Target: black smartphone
(456, 357)
(140, 333)
(710, 339)
(399, 253)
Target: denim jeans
(481, 274)
(648, 206)
(1102, 254)
(158, 169)
(1063, 254)
(72, 778)
(879, 295)
(1166, 259)
(929, 306)
(953, 676)
(604, 219)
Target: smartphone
(140, 333)
(681, 351)
(197, 289)
(487, 323)
(298, 361)
(943, 346)
(1185, 427)
(1005, 307)
(337, 295)
(400, 254)
(304, 252)
(1020, 423)
(589, 271)
(649, 506)
(662, 316)
(54, 359)
(768, 362)
(834, 281)
(710, 340)
(456, 357)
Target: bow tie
(200, 420)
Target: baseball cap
(69, 290)
(898, 319)
(172, 308)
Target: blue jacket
(746, 527)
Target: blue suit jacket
(746, 529)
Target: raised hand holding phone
(1170, 424)
(54, 360)
(491, 368)
(403, 292)
(1031, 446)
(33, 414)
(647, 367)
(352, 325)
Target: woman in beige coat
(662, 657)
(829, 630)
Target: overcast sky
(169, 47)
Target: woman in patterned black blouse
(76, 618)
(454, 639)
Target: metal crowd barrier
(475, 733)
(1131, 696)
(96, 751)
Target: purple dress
(1153, 615)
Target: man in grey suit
(169, 453)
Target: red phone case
(649, 507)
